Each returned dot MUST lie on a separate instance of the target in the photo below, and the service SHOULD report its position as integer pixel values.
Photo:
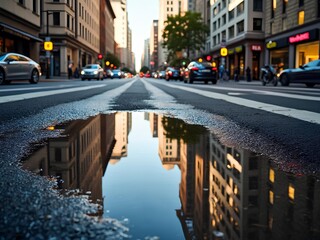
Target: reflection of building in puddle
(169, 150)
(230, 193)
(153, 119)
(123, 122)
(78, 158)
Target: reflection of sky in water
(139, 189)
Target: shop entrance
(306, 53)
(255, 65)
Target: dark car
(162, 74)
(107, 73)
(14, 66)
(173, 73)
(200, 71)
(309, 74)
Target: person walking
(236, 74)
(70, 70)
(248, 72)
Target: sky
(141, 14)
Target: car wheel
(264, 79)
(310, 85)
(284, 79)
(2, 77)
(214, 81)
(82, 79)
(275, 81)
(167, 78)
(190, 79)
(34, 76)
(206, 82)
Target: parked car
(173, 73)
(91, 71)
(116, 73)
(200, 71)
(14, 66)
(309, 74)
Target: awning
(19, 32)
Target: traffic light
(208, 58)
(100, 56)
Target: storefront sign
(256, 48)
(238, 49)
(271, 44)
(299, 37)
(231, 51)
(223, 52)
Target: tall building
(121, 30)
(168, 8)
(145, 58)
(19, 27)
(154, 46)
(292, 30)
(238, 26)
(73, 28)
(107, 17)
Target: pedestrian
(236, 74)
(70, 70)
(248, 71)
(221, 71)
(76, 73)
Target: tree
(144, 69)
(109, 59)
(184, 33)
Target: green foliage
(125, 69)
(184, 33)
(112, 59)
(144, 69)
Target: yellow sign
(271, 44)
(48, 46)
(223, 52)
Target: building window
(284, 5)
(240, 8)
(284, 24)
(271, 28)
(240, 27)
(300, 17)
(271, 175)
(271, 197)
(224, 19)
(291, 192)
(257, 24)
(34, 6)
(231, 14)
(301, 3)
(273, 7)
(68, 21)
(257, 5)
(56, 18)
(21, 2)
(231, 32)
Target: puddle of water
(170, 180)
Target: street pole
(48, 52)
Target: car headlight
(119, 73)
(95, 72)
(82, 72)
(111, 74)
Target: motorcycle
(269, 75)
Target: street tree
(111, 59)
(184, 33)
(144, 69)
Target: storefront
(294, 48)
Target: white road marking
(288, 112)
(24, 96)
(33, 88)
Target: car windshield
(115, 71)
(2, 56)
(91, 67)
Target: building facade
(292, 32)
(154, 46)
(107, 17)
(20, 27)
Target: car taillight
(194, 69)
(170, 73)
(214, 69)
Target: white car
(92, 71)
(15, 66)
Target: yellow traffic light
(48, 46)
(107, 63)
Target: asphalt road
(282, 123)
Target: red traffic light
(208, 58)
(100, 56)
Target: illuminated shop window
(300, 17)
(291, 192)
